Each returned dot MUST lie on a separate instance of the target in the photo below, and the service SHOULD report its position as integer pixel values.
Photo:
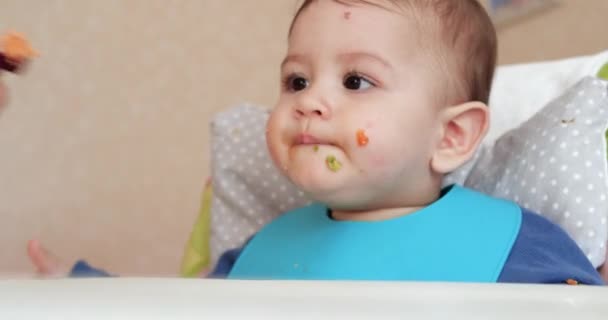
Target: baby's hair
(468, 50)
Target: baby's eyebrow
(362, 55)
(292, 58)
(349, 57)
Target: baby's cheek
(363, 149)
(375, 158)
(372, 148)
(378, 160)
(273, 142)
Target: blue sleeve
(544, 253)
(225, 264)
(83, 270)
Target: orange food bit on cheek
(362, 139)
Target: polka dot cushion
(553, 164)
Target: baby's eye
(357, 82)
(296, 83)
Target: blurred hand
(47, 265)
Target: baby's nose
(312, 110)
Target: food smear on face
(315, 148)
(362, 139)
(333, 164)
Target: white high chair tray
(163, 298)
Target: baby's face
(356, 121)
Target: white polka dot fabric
(554, 164)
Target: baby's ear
(462, 129)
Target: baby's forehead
(418, 15)
(397, 33)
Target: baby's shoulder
(539, 235)
(544, 253)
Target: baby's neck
(395, 206)
(372, 215)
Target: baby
(379, 100)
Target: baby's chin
(346, 198)
(325, 186)
(314, 183)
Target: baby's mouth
(308, 139)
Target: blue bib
(464, 236)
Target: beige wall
(574, 27)
(104, 145)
